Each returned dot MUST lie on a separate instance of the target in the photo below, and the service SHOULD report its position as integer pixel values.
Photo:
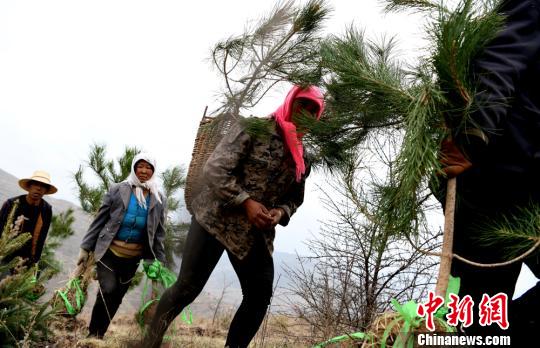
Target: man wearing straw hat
(36, 213)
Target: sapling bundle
(70, 299)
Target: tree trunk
(448, 239)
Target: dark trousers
(480, 204)
(114, 276)
(201, 254)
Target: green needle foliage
(416, 161)
(393, 5)
(460, 36)
(106, 171)
(61, 228)
(515, 233)
(367, 90)
(282, 46)
(260, 128)
(23, 321)
(174, 179)
(372, 92)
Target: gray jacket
(109, 218)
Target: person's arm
(47, 218)
(293, 198)
(497, 70)
(159, 236)
(89, 241)
(4, 213)
(219, 169)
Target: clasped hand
(260, 216)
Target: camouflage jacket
(243, 167)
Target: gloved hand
(452, 160)
(83, 256)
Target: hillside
(205, 304)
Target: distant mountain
(67, 253)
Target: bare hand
(276, 214)
(83, 257)
(257, 214)
(452, 160)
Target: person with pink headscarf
(251, 184)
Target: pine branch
(22, 320)
(124, 163)
(12, 238)
(283, 43)
(173, 179)
(417, 5)
(98, 164)
(459, 37)
(515, 233)
(416, 161)
(61, 228)
(369, 90)
(91, 197)
(61, 225)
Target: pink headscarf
(283, 115)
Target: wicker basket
(211, 131)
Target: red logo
(429, 308)
(460, 311)
(494, 310)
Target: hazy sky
(136, 73)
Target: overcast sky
(136, 73)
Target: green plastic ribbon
(356, 335)
(185, 318)
(408, 315)
(155, 271)
(453, 288)
(32, 296)
(79, 296)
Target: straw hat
(40, 176)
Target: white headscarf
(151, 184)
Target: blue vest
(133, 226)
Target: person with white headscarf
(128, 227)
